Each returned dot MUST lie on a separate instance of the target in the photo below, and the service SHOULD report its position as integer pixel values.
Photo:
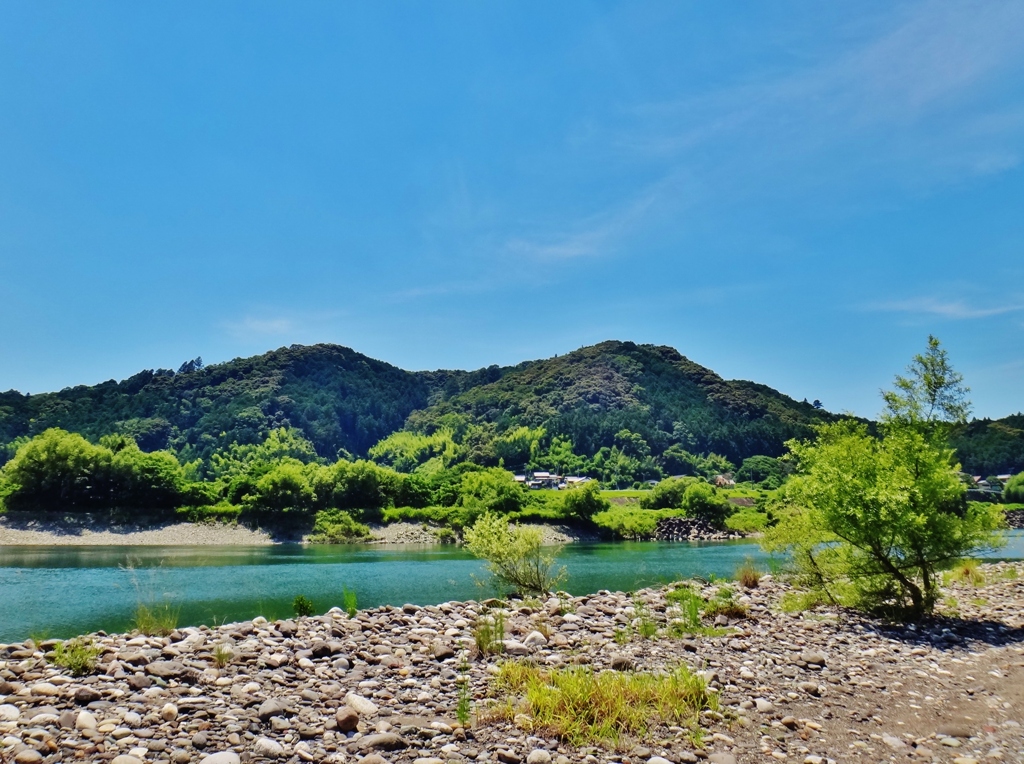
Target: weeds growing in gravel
(462, 709)
(798, 602)
(646, 626)
(350, 604)
(77, 655)
(303, 606)
(222, 655)
(967, 572)
(748, 574)
(581, 706)
(489, 633)
(156, 620)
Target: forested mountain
(338, 398)
(637, 401)
(992, 447)
(592, 395)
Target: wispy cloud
(262, 326)
(955, 309)
(596, 234)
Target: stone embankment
(1015, 519)
(690, 529)
(810, 688)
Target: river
(64, 591)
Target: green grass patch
(799, 602)
(156, 620)
(582, 707)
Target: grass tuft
(222, 655)
(156, 621)
(303, 606)
(967, 572)
(77, 655)
(582, 707)
(748, 575)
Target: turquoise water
(64, 591)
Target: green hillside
(589, 408)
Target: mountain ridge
(344, 402)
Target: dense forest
(618, 411)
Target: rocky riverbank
(813, 687)
(690, 529)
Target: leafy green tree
(702, 501)
(871, 522)
(668, 494)
(518, 447)
(584, 501)
(1013, 491)
(285, 488)
(932, 396)
(759, 469)
(492, 490)
(407, 451)
(57, 470)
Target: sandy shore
(84, 531)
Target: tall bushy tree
(872, 521)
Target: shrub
(747, 520)
(514, 554)
(303, 606)
(585, 501)
(336, 526)
(583, 707)
(222, 512)
(77, 655)
(222, 655)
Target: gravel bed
(820, 687)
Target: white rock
(169, 712)
(361, 705)
(538, 756)
(764, 706)
(535, 639)
(512, 647)
(658, 760)
(85, 721)
(44, 688)
(9, 713)
(222, 757)
(264, 746)
(132, 719)
(125, 759)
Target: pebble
(271, 749)
(222, 757)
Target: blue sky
(794, 193)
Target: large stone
(166, 669)
(125, 759)
(268, 748)
(513, 647)
(9, 713)
(722, 758)
(45, 689)
(363, 706)
(139, 682)
(954, 729)
(28, 756)
(622, 663)
(535, 639)
(169, 712)
(346, 718)
(85, 721)
(813, 658)
(538, 756)
(86, 695)
(384, 741)
(658, 760)
(222, 757)
(441, 650)
(272, 707)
